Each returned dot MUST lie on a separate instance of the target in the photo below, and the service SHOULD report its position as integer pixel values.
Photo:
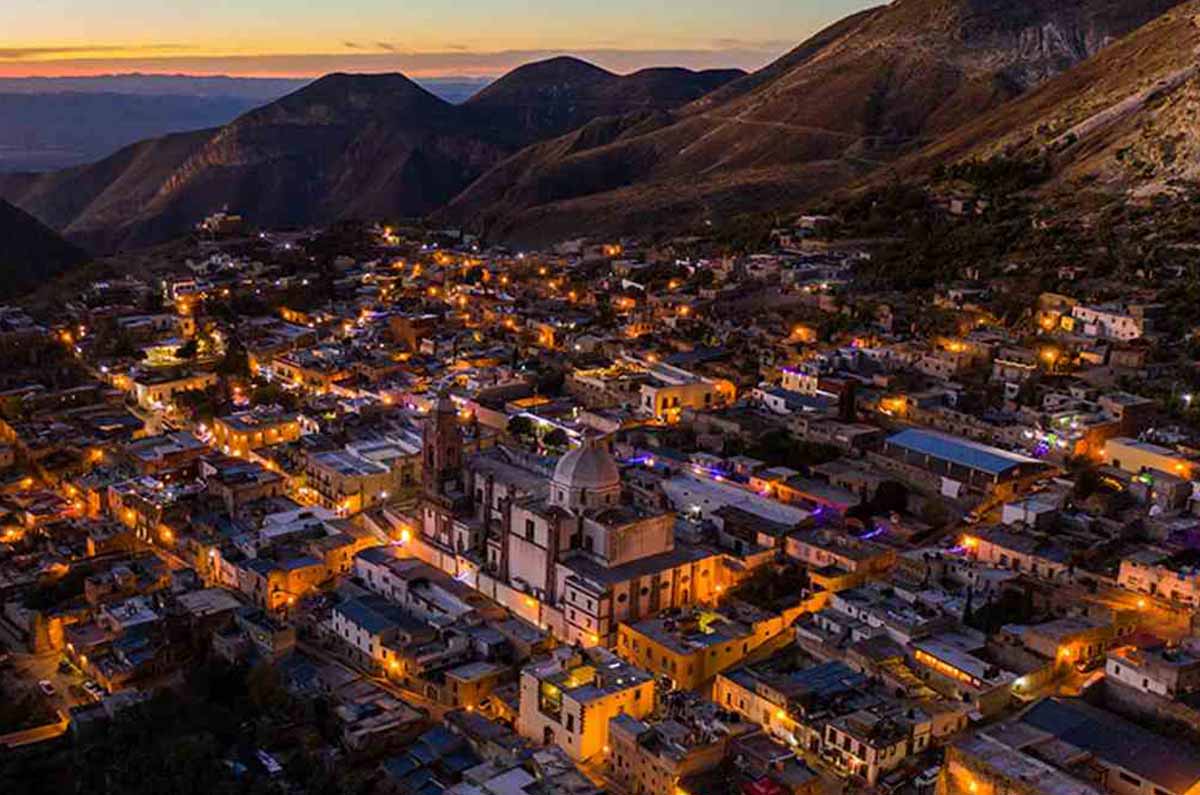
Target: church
(560, 546)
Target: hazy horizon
(272, 38)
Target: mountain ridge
(342, 146)
(853, 98)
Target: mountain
(549, 98)
(1125, 121)
(30, 253)
(345, 146)
(852, 99)
(51, 124)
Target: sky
(423, 38)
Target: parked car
(47, 687)
(94, 690)
(927, 779)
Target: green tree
(236, 361)
(188, 349)
(556, 438)
(520, 427)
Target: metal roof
(956, 450)
(1166, 762)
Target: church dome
(589, 468)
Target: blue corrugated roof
(959, 451)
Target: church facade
(561, 546)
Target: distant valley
(47, 124)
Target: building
(1168, 672)
(1064, 745)
(689, 649)
(831, 555)
(1108, 322)
(570, 699)
(868, 743)
(372, 625)
(956, 465)
(1158, 573)
(653, 757)
(1136, 457)
(1031, 553)
(565, 549)
(349, 483)
(155, 391)
(671, 389)
(239, 434)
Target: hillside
(346, 146)
(1124, 121)
(30, 253)
(849, 101)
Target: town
(388, 507)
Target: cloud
(370, 58)
(31, 53)
(727, 43)
(383, 45)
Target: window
(1131, 780)
(570, 723)
(529, 529)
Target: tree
(556, 438)
(520, 427)
(198, 403)
(236, 361)
(188, 349)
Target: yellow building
(238, 434)
(1134, 456)
(671, 389)
(569, 699)
(353, 480)
(315, 369)
(156, 391)
(692, 649)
